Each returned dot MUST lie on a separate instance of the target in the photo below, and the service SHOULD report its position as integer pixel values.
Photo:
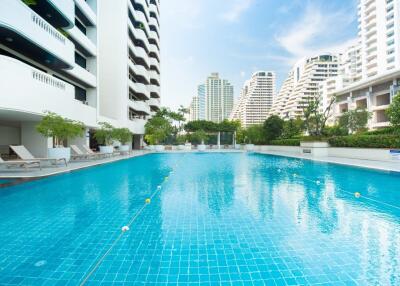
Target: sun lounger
(78, 154)
(20, 163)
(24, 154)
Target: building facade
(218, 98)
(375, 76)
(302, 85)
(256, 99)
(214, 100)
(53, 57)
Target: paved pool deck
(384, 165)
(34, 173)
(47, 170)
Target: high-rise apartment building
(218, 98)
(91, 61)
(214, 100)
(197, 108)
(302, 85)
(379, 35)
(376, 80)
(256, 99)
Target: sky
(239, 37)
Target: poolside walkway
(72, 166)
(384, 165)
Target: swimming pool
(218, 219)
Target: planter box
(124, 148)
(106, 149)
(249, 147)
(159, 148)
(314, 149)
(59, 153)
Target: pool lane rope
(126, 228)
(357, 195)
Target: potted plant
(123, 135)
(104, 137)
(60, 129)
(157, 130)
(200, 136)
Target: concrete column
(219, 140)
(34, 141)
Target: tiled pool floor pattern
(220, 219)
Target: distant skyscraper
(214, 100)
(302, 85)
(255, 100)
(218, 98)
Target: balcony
(154, 63)
(139, 54)
(139, 88)
(154, 76)
(30, 35)
(82, 75)
(139, 70)
(139, 106)
(89, 14)
(136, 125)
(31, 91)
(154, 51)
(154, 103)
(59, 13)
(154, 90)
(83, 41)
(139, 34)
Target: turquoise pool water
(218, 219)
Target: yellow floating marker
(148, 201)
(357, 195)
(166, 178)
(158, 187)
(125, 228)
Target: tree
(59, 128)
(198, 136)
(123, 135)
(254, 135)
(292, 128)
(157, 129)
(393, 111)
(105, 134)
(273, 127)
(314, 119)
(355, 120)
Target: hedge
(285, 142)
(366, 141)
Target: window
(80, 94)
(80, 60)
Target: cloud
(317, 30)
(236, 10)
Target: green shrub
(314, 139)
(286, 142)
(384, 131)
(366, 141)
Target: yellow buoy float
(148, 201)
(357, 195)
(125, 228)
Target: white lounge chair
(24, 154)
(81, 155)
(20, 163)
(91, 152)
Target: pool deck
(392, 166)
(32, 173)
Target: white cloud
(318, 30)
(237, 9)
